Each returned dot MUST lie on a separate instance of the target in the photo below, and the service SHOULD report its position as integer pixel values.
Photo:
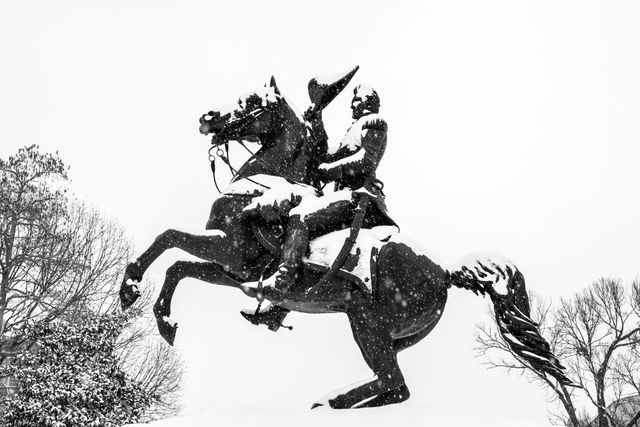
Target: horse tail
(502, 281)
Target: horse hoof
(133, 272)
(129, 293)
(167, 328)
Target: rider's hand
(311, 113)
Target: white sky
(513, 127)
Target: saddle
(359, 263)
(359, 266)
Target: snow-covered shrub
(71, 377)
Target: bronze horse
(411, 291)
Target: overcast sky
(513, 127)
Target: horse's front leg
(205, 271)
(215, 246)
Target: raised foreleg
(210, 247)
(215, 246)
(205, 271)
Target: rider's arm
(319, 135)
(364, 161)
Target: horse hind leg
(205, 271)
(387, 386)
(401, 393)
(397, 395)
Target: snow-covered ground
(404, 415)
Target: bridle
(222, 138)
(224, 156)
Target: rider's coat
(353, 164)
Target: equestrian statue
(306, 227)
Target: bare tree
(150, 361)
(596, 335)
(30, 205)
(61, 259)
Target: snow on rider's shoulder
(371, 118)
(353, 138)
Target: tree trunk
(567, 403)
(603, 420)
(4, 283)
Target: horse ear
(272, 83)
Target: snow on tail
(499, 278)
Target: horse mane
(308, 152)
(300, 144)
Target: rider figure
(352, 167)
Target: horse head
(263, 116)
(256, 115)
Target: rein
(273, 170)
(224, 154)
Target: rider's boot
(285, 277)
(281, 282)
(272, 317)
(291, 257)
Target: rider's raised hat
(322, 90)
